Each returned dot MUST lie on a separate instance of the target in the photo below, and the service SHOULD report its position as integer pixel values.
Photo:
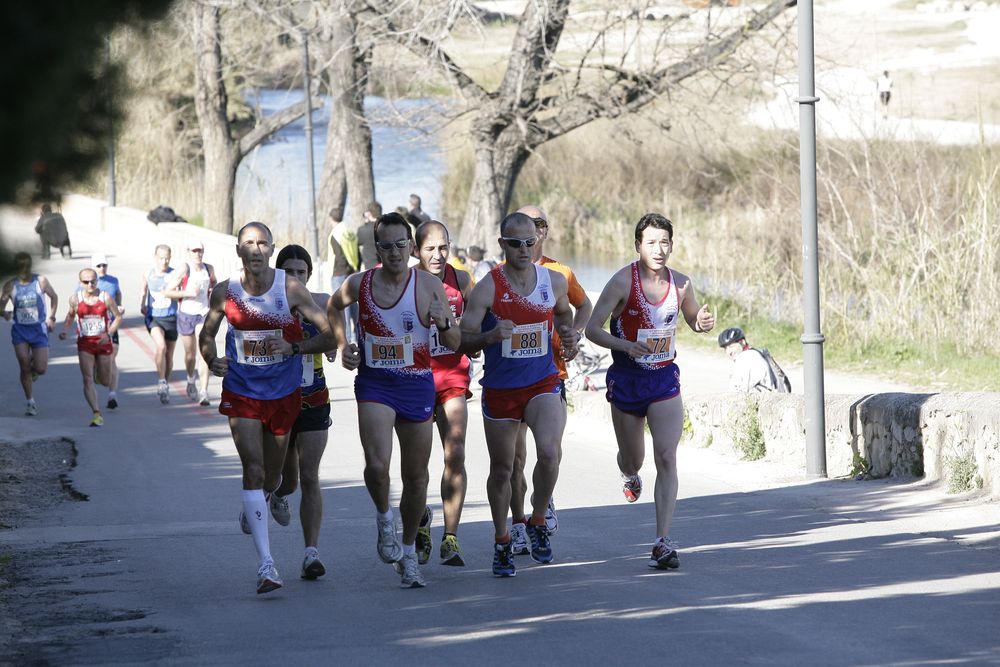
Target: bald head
(533, 212)
(255, 225)
(425, 228)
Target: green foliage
(860, 465)
(687, 429)
(963, 473)
(748, 437)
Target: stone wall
(881, 435)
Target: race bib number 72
(661, 341)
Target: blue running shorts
(633, 391)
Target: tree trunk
(348, 161)
(498, 160)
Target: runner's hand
(439, 312)
(638, 349)
(331, 356)
(278, 345)
(705, 320)
(219, 366)
(62, 335)
(350, 357)
(502, 331)
(568, 340)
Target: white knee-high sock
(255, 508)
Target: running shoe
(192, 390)
(268, 578)
(541, 548)
(503, 560)
(551, 519)
(388, 547)
(31, 409)
(424, 545)
(451, 554)
(244, 524)
(519, 539)
(632, 487)
(409, 571)
(98, 420)
(312, 567)
(279, 509)
(163, 392)
(112, 402)
(203, 399)
(664, 556)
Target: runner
(511, 315)
(307, 440)
(196, 283)
(108, 283)
(95, 331)
(262, 373)
(160, 312)
(643, 301)
(395, 386)
(451, 385)
(30, 331)
(581, 304)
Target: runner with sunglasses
(95, 328)
(395, 385)
(110, 284)
(511, 315)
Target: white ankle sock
(409, 548)
(387, 516)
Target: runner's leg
(452, 421)
(630, 433)
(501, 435)
(160, 355)
(40, 359)
(87, 364)
(23, 353)
(310, 446)
(518, 482)
(666, 422)
(414, 454)
(546, 417)
(375, 422)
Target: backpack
(782, 385)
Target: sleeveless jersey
(526, 357)
(110, 285)
(253, 372)
(314, 391)
(92, 319)
(450, 368)
(158, 305)
(655, 323)
(196, 305)
(394, 342)
(29, 302)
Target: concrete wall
(884, 435)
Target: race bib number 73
(251, 347)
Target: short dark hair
(393, 218)
(295, 252)
(424, 228)
(22, 257)
(375, 209)
(258, 225)
(513, 219)
(656, 221)
(337, 213)
(415, 199)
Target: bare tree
(540, 99)
(222, 148)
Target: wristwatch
(295, 348)
(447, 325)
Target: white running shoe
(551, 518)
(388, 546)
(203, 399)
(31, 410)
(192, 390)
(268, 578)
(163, 392)
(409, 571)
(519, 539)
(279, 509)
(312, 567)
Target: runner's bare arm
(109, 302)
(439, 315)
(562, 317)
(172, 287)
(347, 293)
(144, 295)
(611, 302)
(699, 318)
(580, 301)
(480, 301)
(8, 288)
(46, 286)
(70, 316)
(300, 300)
(206, 341)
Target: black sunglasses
(88, 282)
(517, 243)
(97, 266)
(541, 223)
(389, 245)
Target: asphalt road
(774, 569)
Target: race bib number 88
(389, 352)
(527, 341)
(251, 347)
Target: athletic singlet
(157, 304)
(110, 285)
(394, 342)
(656, 323)
(29, 302)
(314, 391)
(526, 357)
(92, 319)
(196, 305)
(253, 372)
(447, 364)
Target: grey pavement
(775, 569)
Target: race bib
(251, 347)
(527, 341)
(438, 349)
(389, 351)
(661, 341)
(92, 325)
(308, 372)
(26, 309)
(159, 301)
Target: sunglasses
(196, 249)
(517, 243)
(99, 266)
(88, 282)
(540, 223)
(389, 245)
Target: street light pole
(112, 196)
(812, 339)
(313, 231)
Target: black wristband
(295, 348)
(447, 325)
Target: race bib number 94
(527, 341)
(661, 341)
(251, 347)
(26, 309)
(389, 352)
